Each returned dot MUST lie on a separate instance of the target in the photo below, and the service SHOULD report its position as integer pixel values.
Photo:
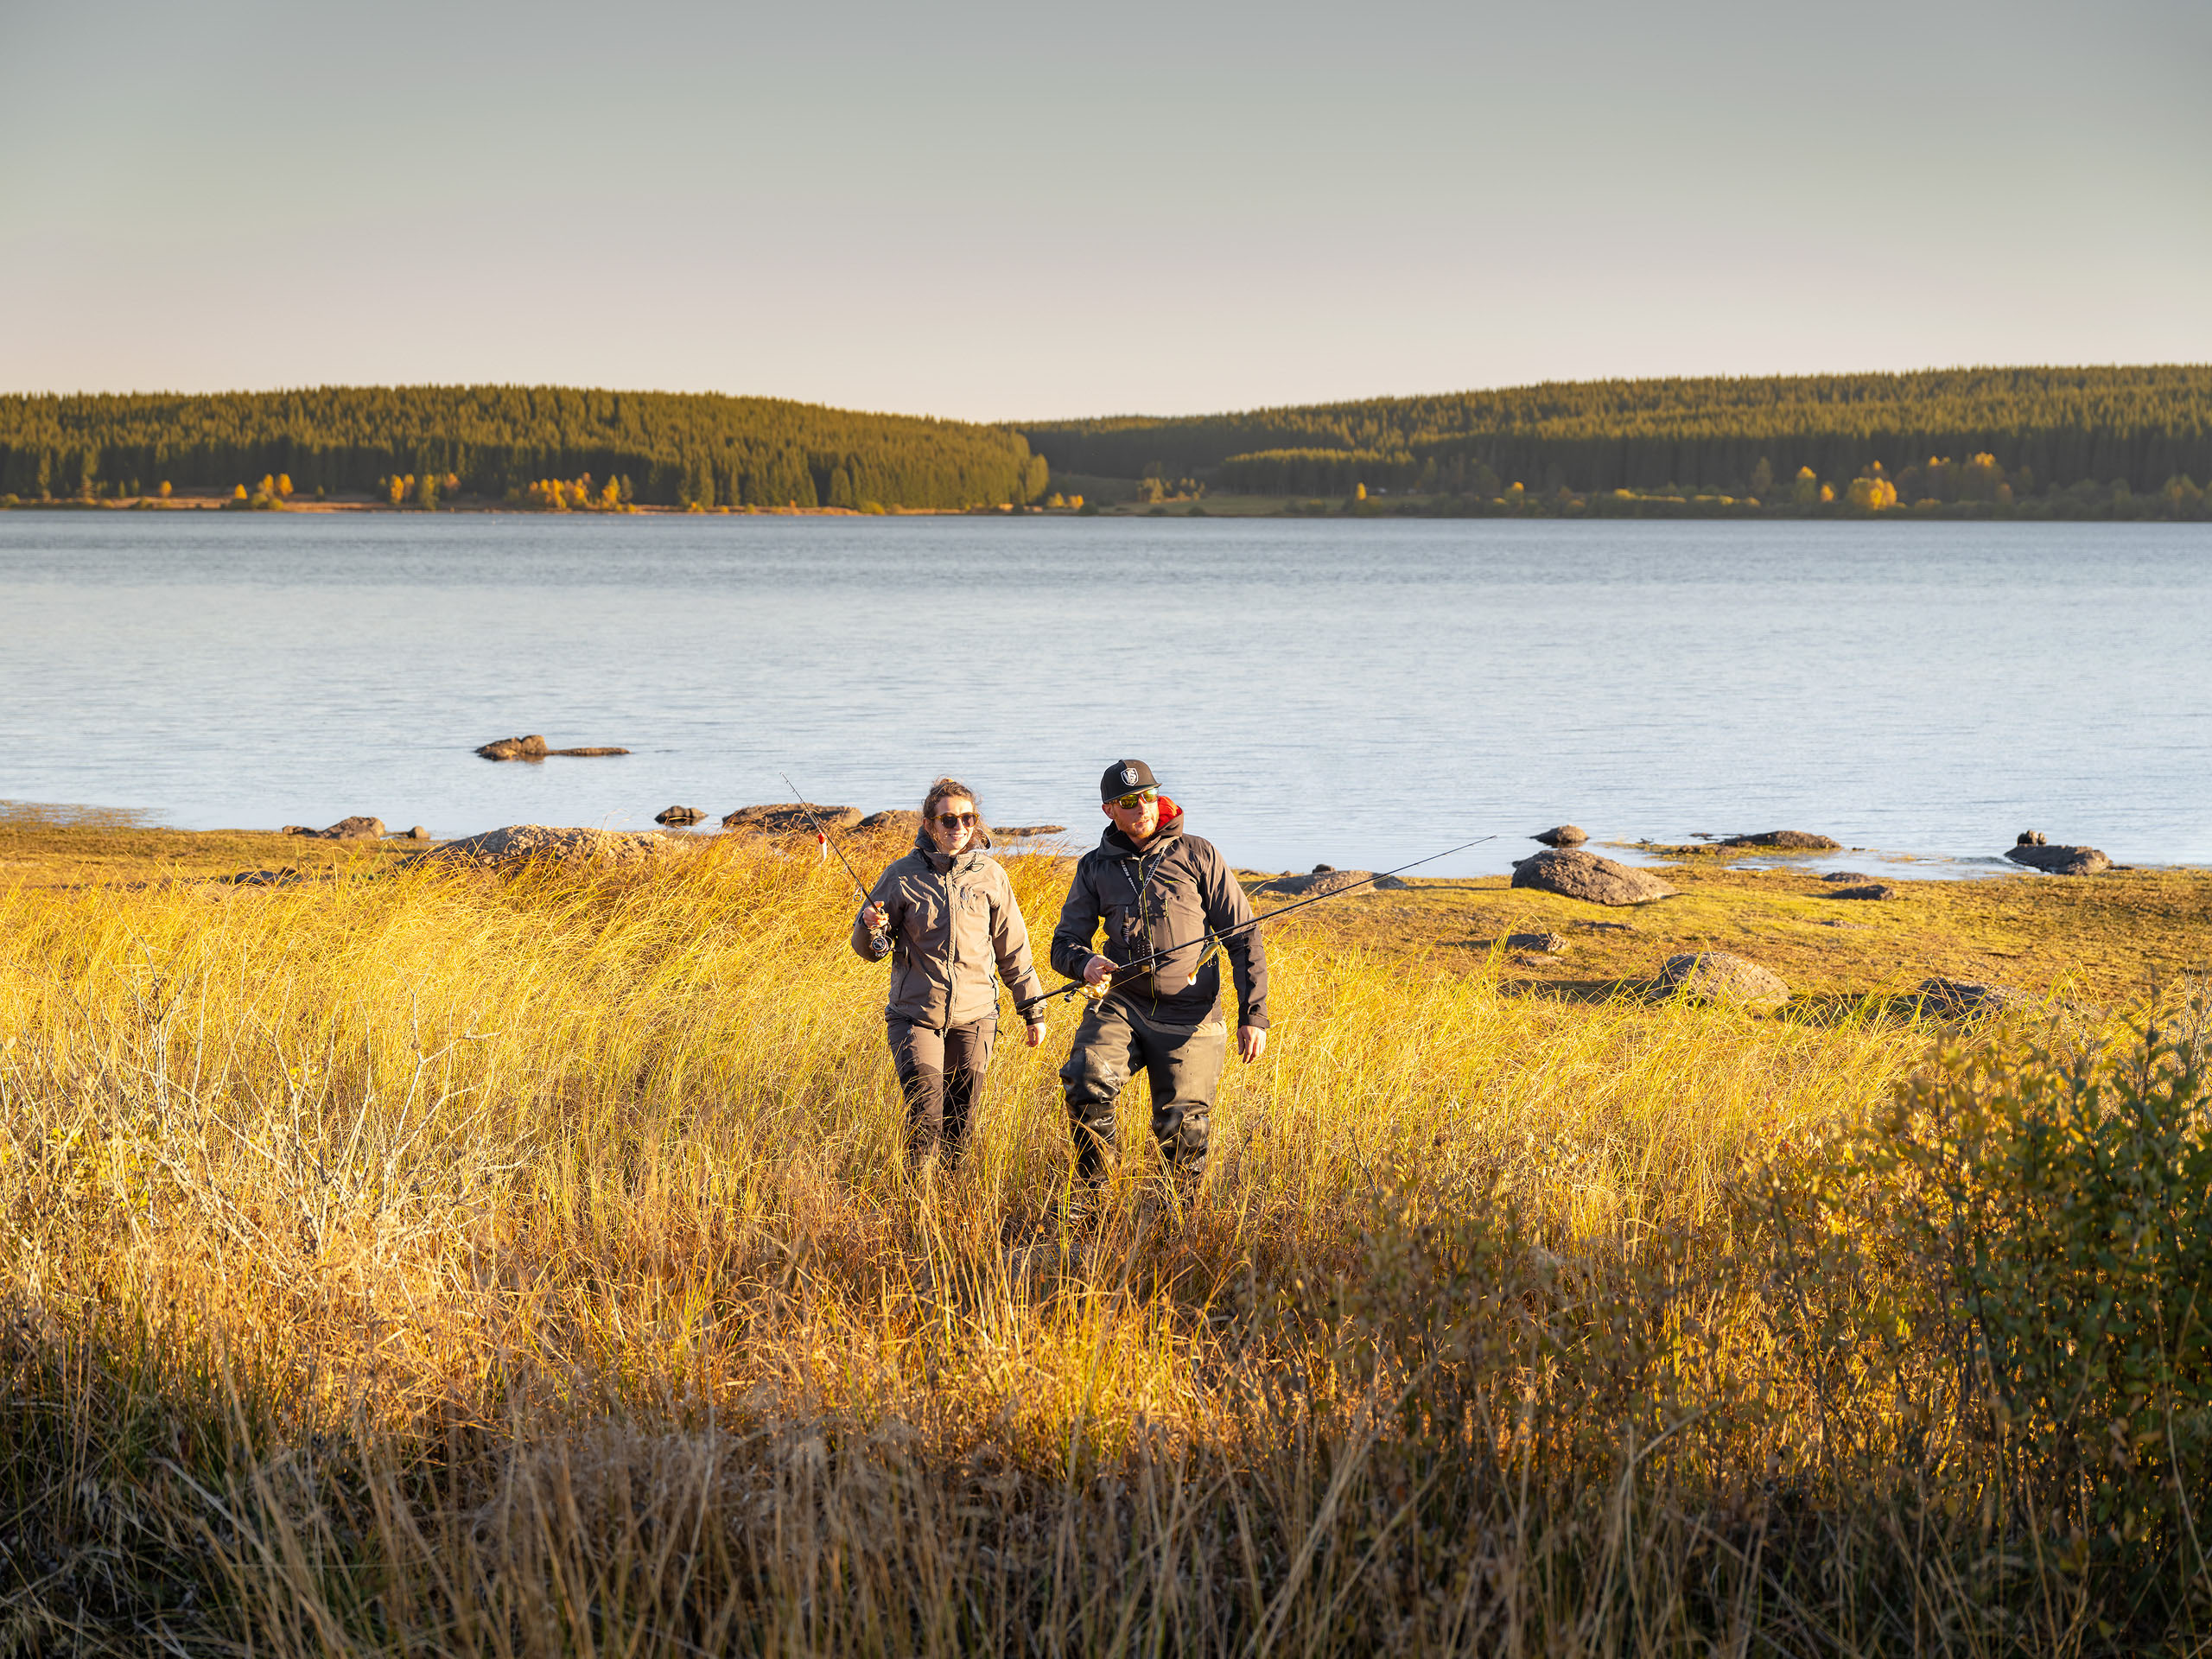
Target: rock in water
(2032, 838)
(680, 815)
(1716, 976)
(789, 817)
(1847, 878)
(586, 751)
(1972, 996)
(353, 829)
(1573, 874)
(1785, 841)
(1325, 877)
(2060, 861)
(1562, 835)
(514, 749)
(418, 833)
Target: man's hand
(1036, 1033)
(1251, 1042)
(871, 917)
(1096, 970)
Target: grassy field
(422, 1262)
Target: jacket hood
(1171, 825)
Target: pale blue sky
(997, 211)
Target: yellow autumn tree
(1872, 494)
(1806, 489)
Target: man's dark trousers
(1183, 1063)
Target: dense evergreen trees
(673, 449)
(2139, 426)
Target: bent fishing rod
(1227, 934)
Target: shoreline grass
(444, 1262)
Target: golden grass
(433, 1263)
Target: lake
(1358, 694)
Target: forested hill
(673, 449)
(2062, 426)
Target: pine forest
(510, 443)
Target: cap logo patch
(1129, 774)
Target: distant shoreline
(1609, 507)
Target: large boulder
(2060, 861)
(1573, 874)
(679, 815)
(1972, 996)
(790, 818)
(892, 821)
(1716, 976)
(1785, 841)
(1562, 835)
(514, 749)
(521, 843)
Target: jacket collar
(966, 859)
(1171, 828)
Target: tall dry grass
(444, 1263)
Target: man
(1154, 888)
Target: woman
(945, 914)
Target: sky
(1005, 212)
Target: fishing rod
(1109, 983)
(823, 835)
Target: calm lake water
(1353, 694)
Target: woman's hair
(947, 789)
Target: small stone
(1562, 835)
(1019, 831)
(588, 752)
(1846, 878)
(1717, 976)
(2032, 838)
(514, 749)
(2060, 861)
(418, 833)
(1865, 890)
(1548, 944)
(1572, 874)
(352, 828)
(1785, 841)
(1973, 996)
(680, 815)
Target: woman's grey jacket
(950, 921)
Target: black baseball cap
(1125, 777)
